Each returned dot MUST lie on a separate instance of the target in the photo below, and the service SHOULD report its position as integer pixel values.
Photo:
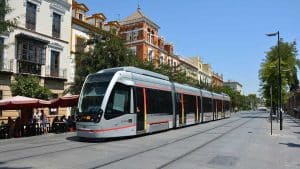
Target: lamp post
(271, 111)
(279, 76)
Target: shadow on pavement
(2, 167)
(291, 145)
(15, 167)
(100, 140)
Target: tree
(268, 73)
(5, 25)
(29, 86)
(105, 50)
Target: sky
(228, 34)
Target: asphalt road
(242, 141)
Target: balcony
(6, 65)
(50, 72)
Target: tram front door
(140, 102)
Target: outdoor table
(60, 127)
(4, 131)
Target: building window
(30, 55)
(132, 36)
(30, 16)
(133, 49)
(80, 16)
(169, 62)
(2, 14)
(100, 24)
(175, 65)
(1, 97)
(1, 52)
(54, 65)
(149, 35)
(150, 56)
(152, 37)
(56, 25)
(80, 45)
(161, 60)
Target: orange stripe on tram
(103, 130)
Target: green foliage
(5, 25)
(106, 50)
(268, 73)
(29, 86)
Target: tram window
(189, 104)
(157, 98)
(207, 107)
(226, 105)
(119, 102)
(92, 96)
(178, 103)
(219, 105)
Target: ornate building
(82, 26)
(39, 45)
(204, 73)
(235, 86)
(141, 35)
(217, 79)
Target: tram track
(95, 144)
(201, 146)
(162, 145)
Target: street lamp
(279, 76)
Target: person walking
(44, 121)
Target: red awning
(19, 102)
(65, 101)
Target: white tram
(128, 101)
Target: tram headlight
(97, 116)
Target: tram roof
(135, 70)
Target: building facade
(235, 85)
(217, 79)
(204, 73)
(39, 45)
(141, 35)
(82, 26)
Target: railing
(57, 73)
(6, 65)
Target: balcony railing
(56, 73)
(6, 65)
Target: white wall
(45, 9)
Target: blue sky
(228, 34)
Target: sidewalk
(286, 142)
(39, 137)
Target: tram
(128, 101)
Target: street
(242, 141)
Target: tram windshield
(93, 92)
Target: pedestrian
(44, 121)
(11, 125)
(55, 126)
(36, 117)
(17, 129)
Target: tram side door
(140, 96)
